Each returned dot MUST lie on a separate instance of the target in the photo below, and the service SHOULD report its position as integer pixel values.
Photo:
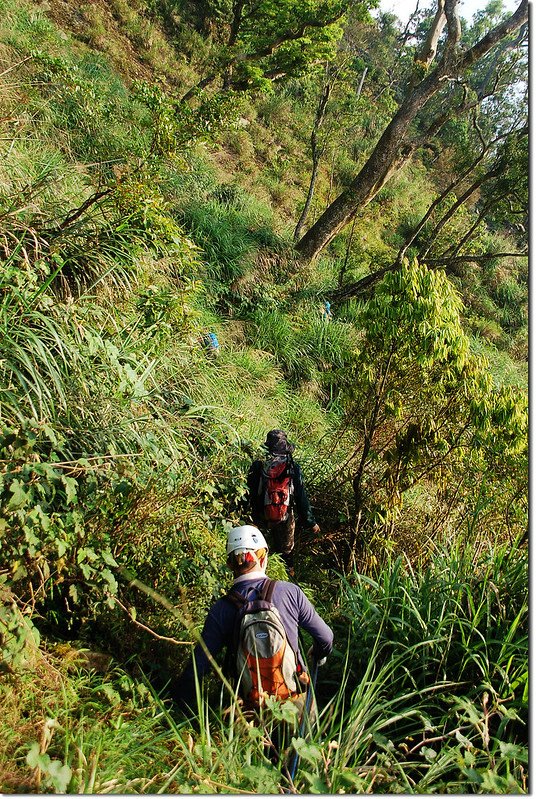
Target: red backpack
(278, 488)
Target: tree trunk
(238, 10)
(357, 481)
(316, 153)
(344, 266)
(465, 197)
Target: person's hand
(315, 528)
(311, 656)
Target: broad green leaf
(108, 558)
(60, 775)
(316, 784)
(71, 486)
(307, 751)
(110, 579)
(19, 496)
(264, 779)
(513, 752)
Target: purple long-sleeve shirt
(295, 611)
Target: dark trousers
(282, 534)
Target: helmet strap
(247, 562)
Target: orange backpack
(265, 664)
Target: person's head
(246, 550)
(277, 443)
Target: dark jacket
(295, 610)
(300, 500)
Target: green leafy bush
(43, 510)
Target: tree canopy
(440, 68)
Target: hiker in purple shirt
(247, 557)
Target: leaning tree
(441, 67)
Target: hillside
(157, 157)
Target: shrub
(42, 512)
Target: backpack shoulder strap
(266, 467)
(263, 476)
(240, 602)
(236, 598)
(265, 593)
(267, 589)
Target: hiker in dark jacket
(247, 557)
(282, 532)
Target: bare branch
(505, 28)
(483, 257)
(76, 213)
(428, 50)
(462, 199)
(454, 31)
(144, 626)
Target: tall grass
(426, 692)
(444, 650)
(81, 731)
(304, 346)
(229, 232)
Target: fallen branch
(145, 627)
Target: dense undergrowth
(426, 693)
(129, 228)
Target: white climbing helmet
(246, 537)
